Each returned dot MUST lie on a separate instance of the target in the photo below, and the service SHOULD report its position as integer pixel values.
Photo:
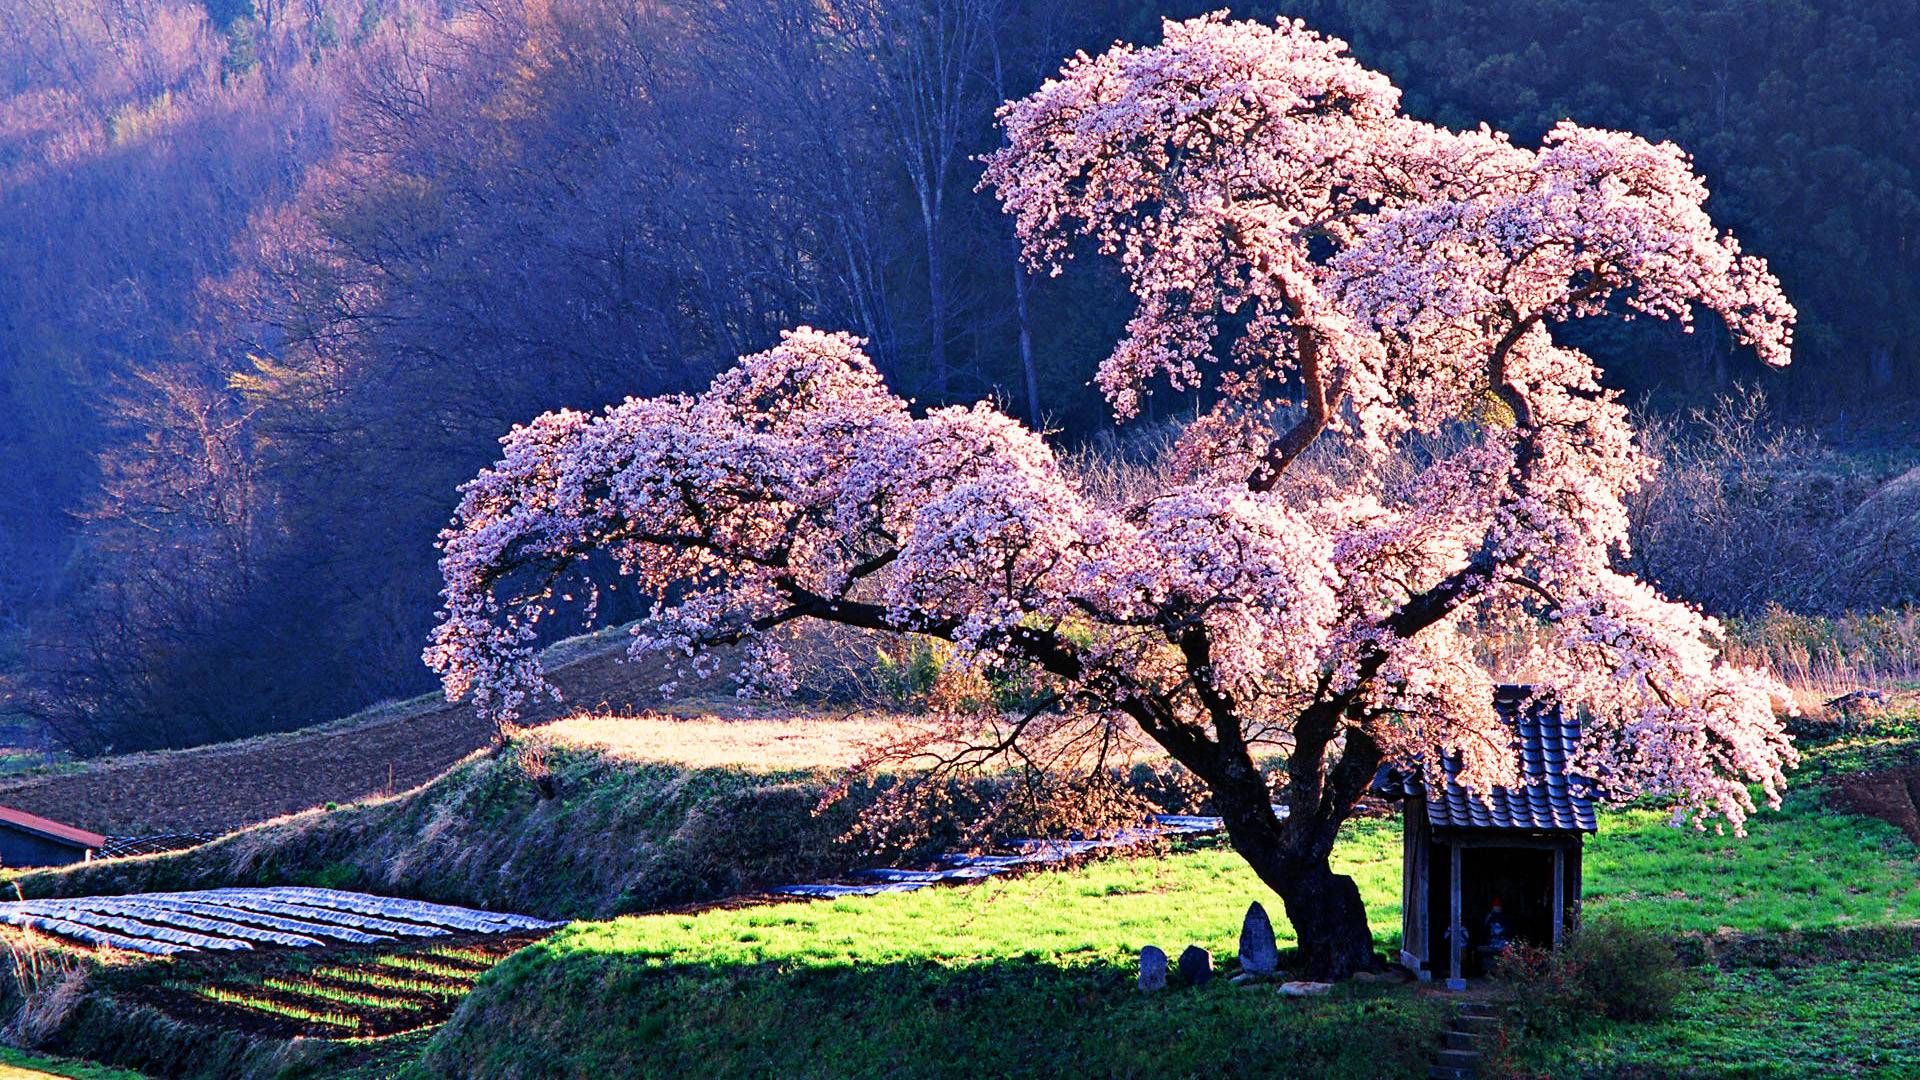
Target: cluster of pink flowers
(1343, 279)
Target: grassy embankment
(1034, 976)
(1030, 976)
(649, 813)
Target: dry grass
(49, 979)
(752, 744)
(770, 744)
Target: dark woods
(275, 276)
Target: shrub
(1605, 969)
(1630, 973)
(1744, 512)
(905, 673)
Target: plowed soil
(230, 785)
(1889, 794)
(179, 998)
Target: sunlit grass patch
(1799, 868)
(755, 744)
(1117, 906)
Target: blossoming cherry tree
(1345, 286)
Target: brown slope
(1892, 795)
(228, 785)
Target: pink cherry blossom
(1352, 287)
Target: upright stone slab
(1196, 966)
(1153, 969)
(1259, 952)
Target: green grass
(1117, 906)
(1833, 1019)
(1892, 742)
(1803, 867)
(1028, 977)
(20, 1065)
(1034, 975)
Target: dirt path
(229, 785)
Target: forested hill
(1799, 112)
(275, 274)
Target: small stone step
(1445, 1072)
(1457, 1059)
(1476, 1024)
(1475, 1008)
(1463, 1040)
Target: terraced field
(335, 994)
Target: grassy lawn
(1803, 867)
(1032, 976)
(20, 1065)
(1831, 1019)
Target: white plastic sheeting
(225, 920)
(956, 868)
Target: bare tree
(924, 57)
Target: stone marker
(1153, 968)
(1305, 989)
(1196, 965)
(1259, 953)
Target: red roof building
(31, 840)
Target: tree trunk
(1330, 922)
(1292, 855)
(1019, 280)
(937, 311)
(1329, 919)
(1026, 344)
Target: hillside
(384, 750)
(627, 831)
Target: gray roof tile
(1553, 800)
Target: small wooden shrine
(1485, 869)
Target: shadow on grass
(584, 1015)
